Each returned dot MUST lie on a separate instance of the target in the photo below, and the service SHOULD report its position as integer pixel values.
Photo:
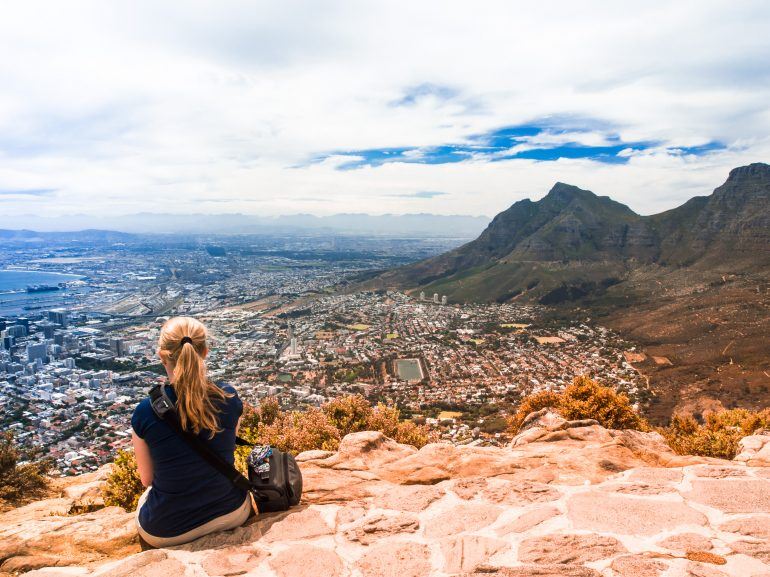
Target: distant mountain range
(420, 225)
(691, 282)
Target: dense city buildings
(284, 323)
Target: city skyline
(277, 109)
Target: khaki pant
(222, 523)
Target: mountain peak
(750, 171)
(567, 192)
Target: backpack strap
(165, 409)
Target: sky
(444, 107)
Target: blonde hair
(197, 397)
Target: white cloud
(175, 106)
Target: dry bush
(349, 414)
(268, 410)
(123, 487)
(718, 436)
(297, 431)
(532, 403)
(388, 421)
(20, 482)
(584, 399)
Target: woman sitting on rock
(186, 497)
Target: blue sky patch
(544, 140)
(700, 150)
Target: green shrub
(584, 399)
(718, 436)
(20, 482)
(123, 487)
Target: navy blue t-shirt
(186, 491)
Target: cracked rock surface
(586, 502)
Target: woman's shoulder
(226, 387)
(143, 408)
(232, 401)
(143, 416)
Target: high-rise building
(58, 316)
(443, 300)
(435, 298)
(36, 351)
(422, 295)
(48, 329)
(293, 345)
(16, 331)
(118, 347)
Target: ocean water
(15, 300)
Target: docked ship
(42, 288)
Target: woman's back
(186, 490)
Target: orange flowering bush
(584, 399)
(324, 428)
(718, 436)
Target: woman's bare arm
(143, 460)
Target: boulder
(637, 566)
(732, 495)
(628, 515)
(377, 526)
(306, 561)
(566, 549)
(466, 552)
(754, 450)
(528, 520)
(401, 559)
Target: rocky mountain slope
(691, 284)
(565, 499)
(572, 243)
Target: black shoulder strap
(160, 401)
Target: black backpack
(274, 490)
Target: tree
(20, 481)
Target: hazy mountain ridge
(419, 224)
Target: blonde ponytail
(183, 341)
